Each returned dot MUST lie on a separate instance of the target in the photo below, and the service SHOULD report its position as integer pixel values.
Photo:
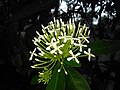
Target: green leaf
(57, 81)
(35, 80)
(75, 81)
(102, 47)
(72, 63)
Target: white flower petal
(71, 52)
(69, 58)
(39, 49)
(53, 51)
(89, 54)
(31, 57)
(48, 48)
(65, 40)
(85, 52)
(32, 53)
(54, 45)
(85, 38)
(60, 51)
(53, 39)
(75, 44)
(92, 55)
(76, 60)
(61, 45)
(32, 67)
(78, 54)
(60, 37)
(47, 43)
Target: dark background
(19, 19)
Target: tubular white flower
(89, 54)
(80, 44)
(57, 48)
(53, 43)
(73, 56)
(32, 54)
(85, 38)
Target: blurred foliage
(19, 19)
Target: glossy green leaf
(72, 63)
(57, 81)
(75, 81)
(35, 80)
(103, 47)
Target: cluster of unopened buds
(59, 42)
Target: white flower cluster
(61, 41)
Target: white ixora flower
(83, 37)
(57, 48)
(52, 43)
(79, 44)
(73, 56)
(32, 54)
(89, 54)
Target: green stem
(82, 56)
(40, 64)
